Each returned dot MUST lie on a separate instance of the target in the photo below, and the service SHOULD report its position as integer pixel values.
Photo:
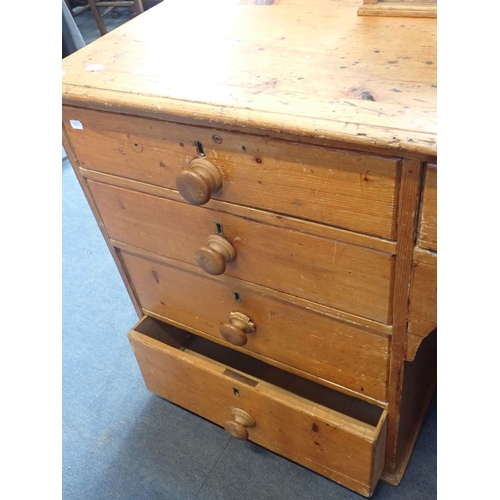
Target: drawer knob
(237, 427)
(235, 331)
(198, 181)
(213, 256)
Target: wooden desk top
(311, 69)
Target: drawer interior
(255, 371)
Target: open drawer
(334, 434)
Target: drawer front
(346, 277)
(254, 401)
(428, 216)
(348, 190)
(423, 302)
(311, 342)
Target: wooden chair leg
(98, 17)
(139, 8)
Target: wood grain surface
(322, 125)
(336, 445)
(423, 300)
(328, 349)
(354, 279)
(257, 215)
(428, 218)
(423, 304)
(314, 70)
(399, 8)
(340, 188)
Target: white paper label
(77, 124)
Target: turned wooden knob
(213, 256)
(236, 331)
(237, 427)
(198, 181)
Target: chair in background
(110, 4)
(77, 7)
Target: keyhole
(219, 229)
(236, 392)
(199, 149)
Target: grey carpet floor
(122, 442)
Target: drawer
(346, 277)
(333, 434)
(307, 341)
(423, 300)
(428, 215)
(344, 189)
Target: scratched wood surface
(314, 343)
(327, 441)
(368, 81)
